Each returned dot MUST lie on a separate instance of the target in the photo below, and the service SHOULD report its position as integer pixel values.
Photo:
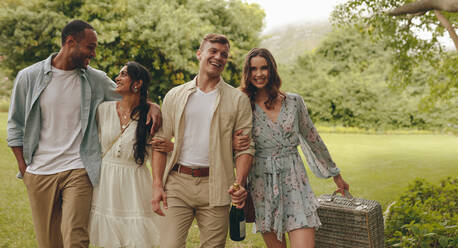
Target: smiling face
(83, 51)
(213, 58)
(123, 82)
(259, 72)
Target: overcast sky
(280, 12)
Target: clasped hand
(238, 197)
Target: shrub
(425, 216)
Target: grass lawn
(376, 167)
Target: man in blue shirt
(53, 134)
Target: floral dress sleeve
(313, 147)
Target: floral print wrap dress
(281, 192)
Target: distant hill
(288, 42)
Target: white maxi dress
(121, 214)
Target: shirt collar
(48, 63)
(193, 84)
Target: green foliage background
(370, 71)
(403, 35)
(163, 35)
(426, 215)
(346, 81)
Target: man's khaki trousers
(188, 198)
(60, 204)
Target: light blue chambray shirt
(24, 118)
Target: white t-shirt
(198, 114)
(60, 135)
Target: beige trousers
(188, 198)
(60, 205)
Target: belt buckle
(192, 171)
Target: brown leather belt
(195, 172)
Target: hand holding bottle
(236, 215)
(238, 195)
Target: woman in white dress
(121, 214)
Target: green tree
(344, 81)
(421, 7)
(391, 20)
(163, 35)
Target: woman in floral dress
(282, 196)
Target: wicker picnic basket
(349, 222)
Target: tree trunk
(425, 5)
(446, 23)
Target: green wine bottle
(237, 221)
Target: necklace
(124, 116)
(124, 126)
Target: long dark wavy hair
(136, 73)
(273, 82)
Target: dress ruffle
(121, 214)
(283, 198)
(114, 231)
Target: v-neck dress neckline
(267, 116)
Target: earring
(135, 89)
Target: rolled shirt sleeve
(244, 121)
(166, 130)
(16, 113)
(109, 90)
